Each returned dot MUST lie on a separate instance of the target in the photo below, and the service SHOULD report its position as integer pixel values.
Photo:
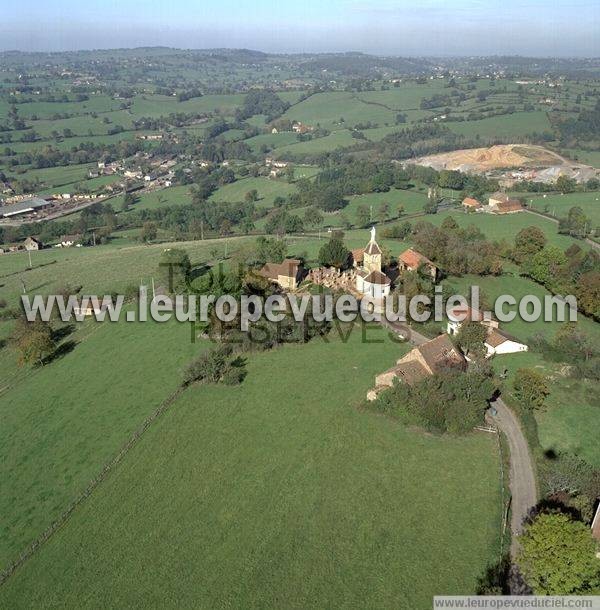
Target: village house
(425, 360)
(501, 203)
(370, 279)
(67, 241)
(470, 203)
(287, 275)
(299, 127)
(31, 243)
(411, 260)
(496, 342)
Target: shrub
(218, 365)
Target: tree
(149, 231)
(564, 184)
(528, 242)
(334, 253)
(270, 250)
(383, 212)
(546, 266)
(449, 224)
(363, 216)
(471, 336)
(251, 195)
(400, 210)
(33, 340)
(557, 556)
(218, 365)
(530, 388)
(128, 200)
(174, 269)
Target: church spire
(373, 233)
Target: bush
(218, 365)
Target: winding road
(522, 477)
(522, 480)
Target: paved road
(522, 478)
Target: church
(370, 280)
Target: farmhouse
(501, 203)
(287, 274)
(411, 260)
(500, 342)
(299, 127)
(496, 342)
(370, 280)
(66, 241)
(469, 203)
(31, 243)
(421, 362)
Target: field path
(522, 477)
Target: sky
(384, 27)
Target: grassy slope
(62, 422)
(279, 493)
(559, 205)
(517, 124)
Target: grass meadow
(279, 493)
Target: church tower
(372, 256)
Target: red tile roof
(288, 268)
(376, 277)
(412, 259)
(471, 202)
(372, 248)
(358, 255)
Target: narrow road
(401, 328)
(522, 478)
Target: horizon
(298, 53)
(384, 28)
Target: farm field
(506, 126)
(51, 448)
(99, 270)
(267, 188)
(299, 500)
(413, 202)
(558, 205)
(507, 226)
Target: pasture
(505, 126)
(559, 205)
(279, 493)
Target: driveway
(403, 329)
(522, 478)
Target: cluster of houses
(368, 278)
(498, 203)
(31, 244)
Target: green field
(62, 422)
(559, 205)
(505, 227)
(413, 202)
(268, 189)
(267, 495)
(507, 125)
